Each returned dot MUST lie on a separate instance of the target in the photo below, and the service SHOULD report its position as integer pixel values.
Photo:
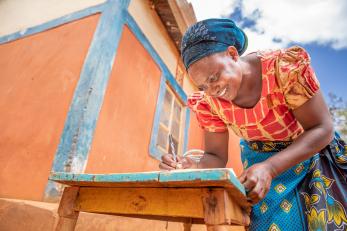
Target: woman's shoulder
(296, 76)
(292, 53)
(208, 119)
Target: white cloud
(212, 9)
(295, 21)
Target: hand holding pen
(172, 161)
(173, 152)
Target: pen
(173, 152)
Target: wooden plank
(190, 178)
(225, 228)
(221, 209)
(187, 226)
(173, 202)
(215, 205)
(199, 221)
(234, 213)
(214, 209)
(116, 179)
(67, 214)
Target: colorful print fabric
(310, 196)
(288, 81)
(323, 193)
(280, 209)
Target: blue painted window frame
(166, 78)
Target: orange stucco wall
(122, 135)
(38, 75)
(195, 134)
(196, 140)
(234, 159)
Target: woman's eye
(202, 88)
(213, 78)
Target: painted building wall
(38, 77)
(42, 84)
(123, 130)
(150, 24)
(41, 72)
(19, 15)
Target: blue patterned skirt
(310, 196)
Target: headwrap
(211, 36)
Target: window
(170, 122)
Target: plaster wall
(17, 15)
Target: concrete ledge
(17, 215)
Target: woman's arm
(216, 150)
(315, 118)
(216, 153)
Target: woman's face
(218, 75)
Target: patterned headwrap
(211, 36)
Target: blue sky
(320, 26)
(330, 67)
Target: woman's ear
(233, 53)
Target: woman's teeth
(222, 93)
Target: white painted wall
(17, 15)
(155, 31)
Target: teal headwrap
(211, 36)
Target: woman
(271, 100)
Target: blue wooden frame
(76, 139)
(166, 78)
(75, 142)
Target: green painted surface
(206, 177)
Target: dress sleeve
(296, 76)
(208, 120)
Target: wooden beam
(175, 202)
(198, 203)
(221, 209)
(67, 214)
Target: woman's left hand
(257, 181)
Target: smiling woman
(294, 166)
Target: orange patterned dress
(312, 194)
(288, 81)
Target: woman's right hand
(168, 162)
(257, 181)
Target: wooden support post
(187, 225)
(67, 214)
(221, 209)
(225, 228)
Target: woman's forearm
(307, 144)
(210, 160)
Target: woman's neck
(251, 85)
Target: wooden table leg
(225, 228)
(67, 214)
(187, 225)
(220, 210)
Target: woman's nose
(213, 89)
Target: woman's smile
(224, 94)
